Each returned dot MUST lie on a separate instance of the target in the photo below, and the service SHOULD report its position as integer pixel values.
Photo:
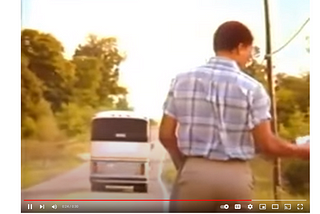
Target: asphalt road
(75, 185)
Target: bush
(41, 153)
(48, 130)
(296, 176)
(75, 120)
(28, 127)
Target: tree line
(59, 95)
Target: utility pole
(276, 162)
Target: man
(215, 118)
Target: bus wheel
(141, 188)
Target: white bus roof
(119, 114)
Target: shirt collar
(224, 61)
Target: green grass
(262, 171)
(43, 161)
(34, 172)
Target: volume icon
(54, 206)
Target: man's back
(213, 110)
(218, 111)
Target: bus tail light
(142, 169)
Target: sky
(163, 38)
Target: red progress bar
(122, 200)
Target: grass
(262, 171)
(42, 161)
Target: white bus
(120, 150)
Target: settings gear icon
(250, 206)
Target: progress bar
(79, 200)
(279, 200)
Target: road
(75, 185)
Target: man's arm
(167, 132)
(168, 139)
(262, 133)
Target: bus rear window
(119, 129)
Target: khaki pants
(203, 179)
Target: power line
(292, 38)
(289, 41)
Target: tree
(122, 104)
(31, 95)
(46, 61)
(31, 90)
(87, 81)
(37, 120)
(59, 95)
(105, 50)
(299, 86)
(257, 71)
(286, 105)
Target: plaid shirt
(216, 105)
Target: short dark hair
(230, 34)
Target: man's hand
(302, 140)
(167, 136)
(178, 160)
(305, 154)
(275, 146)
